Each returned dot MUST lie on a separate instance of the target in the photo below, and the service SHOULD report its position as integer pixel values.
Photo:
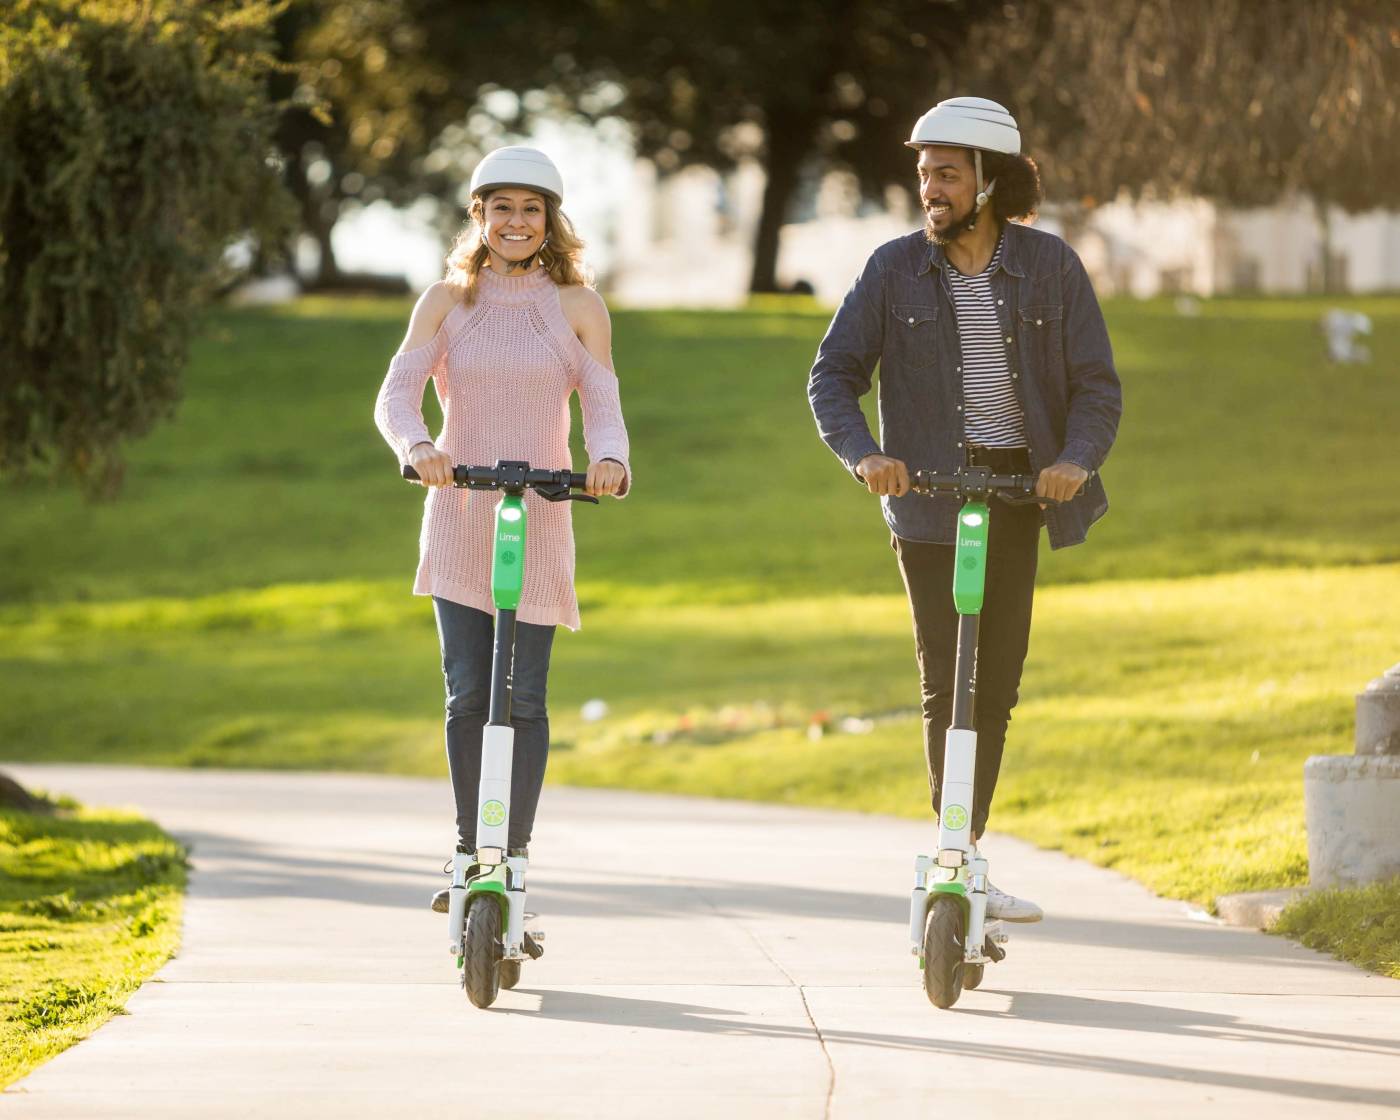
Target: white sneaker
(1009, 908)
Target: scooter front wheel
(943, 951)
(481, 968)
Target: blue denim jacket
(899, 313)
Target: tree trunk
(15, 796)
(327, 270)
(788, 141)
(313, 205)
(1328, 272)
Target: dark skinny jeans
(467, 636)
(1003, 637)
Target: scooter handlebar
(1017, 489)
(931, 482)
(489, 477)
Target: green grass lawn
(89, 908)
(1357, 924)
(246, 602)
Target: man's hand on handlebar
(434, 467)
(884, 476)
(1060, 482)
(605, 477)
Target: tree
(384, 100)
(1151, 96)
(795, 84)
(135, 144)
(1236, 100)
(1240, 101)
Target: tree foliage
(794, 84)
(1236, 100)
(1240, 101)
(134, 146)
(798, 85)
(384, 100)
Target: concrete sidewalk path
(704, 959)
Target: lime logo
(507, 557)
(493, 813)
(969, 562)
(955, 817)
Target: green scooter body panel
(493, 882)
(508, 559)
(970, 558)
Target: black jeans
(1014, 533)
(467, 635)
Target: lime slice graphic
(493, 813)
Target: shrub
(134, 146)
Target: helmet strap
(984, 193)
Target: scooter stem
(498, 737)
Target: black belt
(1003, 460)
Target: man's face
(947, 191)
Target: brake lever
(1032, 500)
(561, 493)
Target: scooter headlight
(489, 857)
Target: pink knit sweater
(503, 369)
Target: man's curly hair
(1018, 193)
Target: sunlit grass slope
(246, 601)
(1240, 448)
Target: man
(992, 352)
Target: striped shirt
(991, 409)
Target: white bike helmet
(518, 166)
(970, 122)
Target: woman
(511, 332)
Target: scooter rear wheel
(972, 976)
(943, 951)
(510, 974)
(481, 970)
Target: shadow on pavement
(233, 867)
(628, 1012)
(1120, 1015)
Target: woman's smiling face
(515, 223)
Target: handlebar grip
(459, 474)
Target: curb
(1255, 909)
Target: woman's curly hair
(561, 256)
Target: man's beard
(952, 233)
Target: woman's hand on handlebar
(1060, 482)
(605, 477)
(884, 476)
(434, 467)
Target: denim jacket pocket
(1042, 340)
(913, 337)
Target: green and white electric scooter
(486, 902)
(948, 909)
